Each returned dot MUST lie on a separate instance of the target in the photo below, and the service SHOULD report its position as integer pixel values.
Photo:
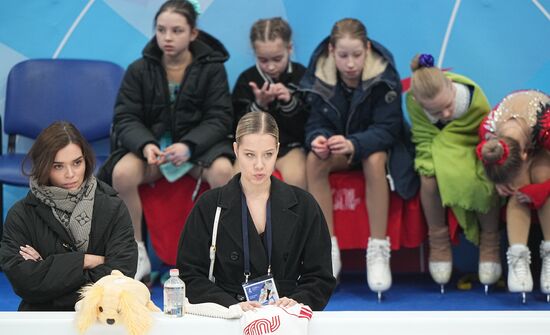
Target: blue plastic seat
(41, 91)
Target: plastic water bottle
(174, 295)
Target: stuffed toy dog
(116, 299)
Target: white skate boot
(143, 271)
(441, 273)
(336, 261)
(489, 273)
(519, 273)
(378, 265)
(545, 270)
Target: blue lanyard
(246, 245)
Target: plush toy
(116, 299)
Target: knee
(375, 164)
(296, 177)
(220, 172)
(316, 167)
(125, 178)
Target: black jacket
(372, 120)
(52, 284)
(291, 118)
(301, 256)
(202, 116)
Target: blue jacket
(372, 120)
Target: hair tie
(196, 5)
(503, 158)
(505, 154)
(426, 60)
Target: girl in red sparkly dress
(515, 151)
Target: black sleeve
(54, 278)
(297, 104)
(120, 246)
(217, 120)
(193, 259)
(316, 281)
(129, 118)
(242, 98)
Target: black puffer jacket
(53, 284)
(202, 116)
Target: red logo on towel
(306, 313)
(262, 326)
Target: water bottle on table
(174, 295)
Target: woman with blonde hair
(265, 228)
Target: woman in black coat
(70, 229)
(287, 233)
(173, 114)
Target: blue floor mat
(408, 293)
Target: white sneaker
(545, 270)
(441, 271)
(378, 264)
(143, 270)
(336, 261)
(489, 272)
(519, 273)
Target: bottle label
(173, 301)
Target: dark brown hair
(257, 123)
(352, 28)
(492, 151)
(182, 7)
(44, 149)
(270, 29)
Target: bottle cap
(174, 272)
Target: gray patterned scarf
(72, 209)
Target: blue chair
(41, 91)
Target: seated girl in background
(173, 113)
(270, 86)
(515, 150)
(266, 227)
(70, 230)
(446, 110)
(356, 122)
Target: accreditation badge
(262, 290)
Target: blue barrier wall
(503, 45)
